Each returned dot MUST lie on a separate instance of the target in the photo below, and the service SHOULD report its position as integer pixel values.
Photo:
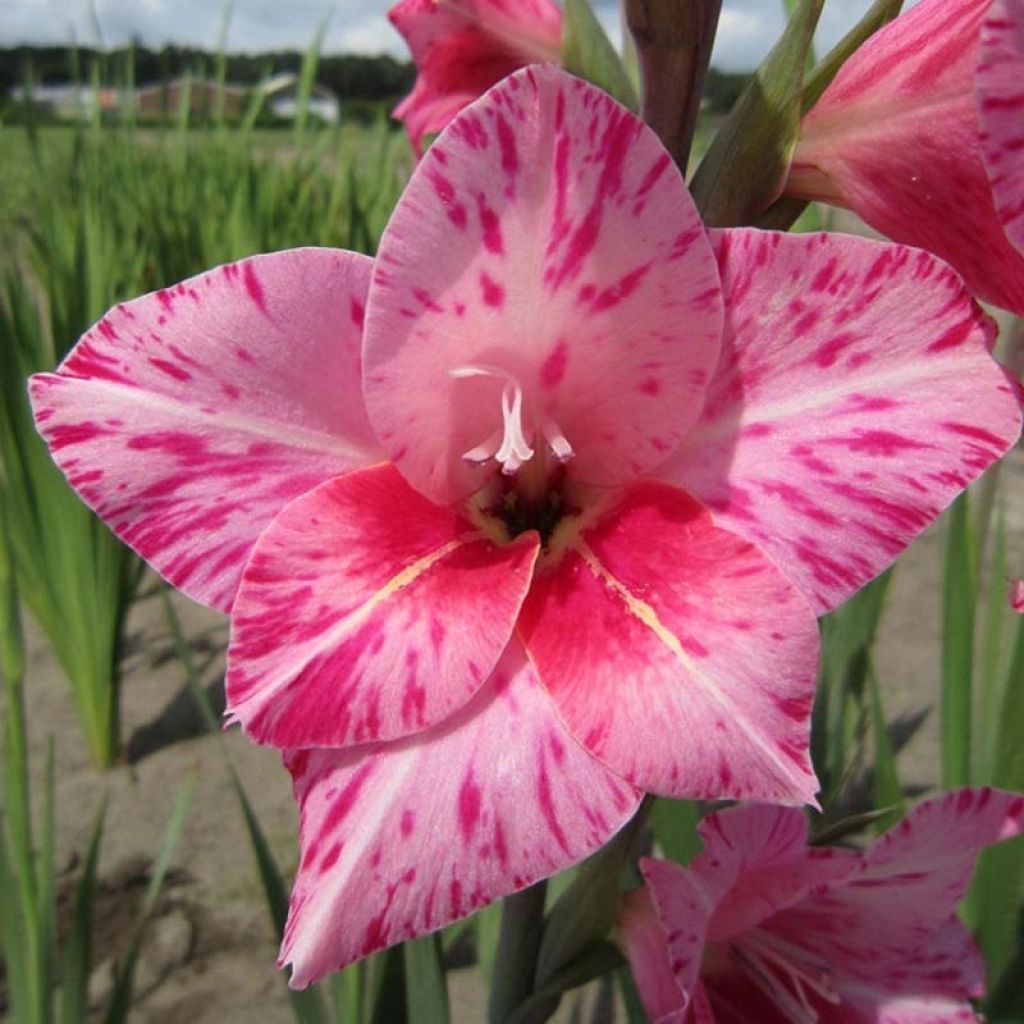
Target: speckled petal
(1000, 86)
(896, 139)
(677, 653)
(547, 239)
(367, 613)
(402, 839)
(891, 922)
(188, 418)
(838, 426)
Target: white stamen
(510, 445)
(514, 450)
(557, 441)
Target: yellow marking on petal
(649, 617)
(274, 682)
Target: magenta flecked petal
(575, 267)
(188, 418)
(1000, 86)
(892, 920)
(463, 47)
(931, 984)
(401, 839)
(837, 427)
(677, 653)
(367, 613)
(644, 942)
(896, 139)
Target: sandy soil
(211, 958)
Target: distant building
(281, 97)
(67, 101)
(204, 97)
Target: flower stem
(515, 965)
(673, 43)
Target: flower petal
(646, 947)
(462, 47)
(930, 984)
(837, 427)
(1000, 85)
(401, 839)
(549, 239)
(896, 139)
(683, 904)
(188, 418)
(757, 858)
(367, 613)
(905, 892)
(677, 653)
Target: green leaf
(596, 959)
(746, 165)
(427, 990)
(519, 944)
(880, 13)
(959, 590)
(785, 212)
(588, 53)
(675, 828)
(888, 793)
(589, 907)
(77, 953)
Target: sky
(747, 28)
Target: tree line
(349, 76)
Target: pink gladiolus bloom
(1017, 595)
(922, 135)
(463, 47)
(763, 929)
(533, 513)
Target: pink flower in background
(533, 513)
(763, 928)
(463, 47)
(1017, 595)
(922, 135)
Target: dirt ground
(210, 956)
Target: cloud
(747, 28)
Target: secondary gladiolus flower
(463, 47)
(922, 135)
(763, 928)
(1016, 595)
(532, 514)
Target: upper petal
(1000, 86)
(677, 653)
(368, 613)
(838, 426)
(549, 237)
(188, 418)
(401, 839)
(905, 891)
(896, 138)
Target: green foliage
(587, 52)
(745, 167)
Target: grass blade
(959, 589)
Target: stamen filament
(510, 446)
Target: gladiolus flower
(761, 927)
(463, 47)
(922, 135)
(1017, 595)
(533, 513)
